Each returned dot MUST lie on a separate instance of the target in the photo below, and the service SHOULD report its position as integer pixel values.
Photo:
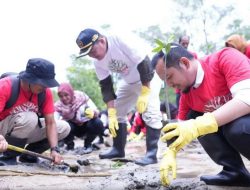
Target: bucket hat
(39, 71)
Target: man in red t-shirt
(216, 89)
(20, 125)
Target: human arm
(109, 96)
(112, 118)
(240, 91)
(223, 116)
(50, 124)
(146, 74)
(91, 110)
(107, 90)
(51, 131)
(168, 163)
(3, 144)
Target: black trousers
(91, 127)
(235, 134)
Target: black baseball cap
(86, 40)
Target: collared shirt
(199, 76)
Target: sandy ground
(108, 175)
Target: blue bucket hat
(86, 40)
(39, 71)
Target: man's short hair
(155, 58)
(180, 38)
(174, 55)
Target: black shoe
(61, 143)
(95, 147)
(24, 158)
(86, 150)
(9, 157)
(5, 161)
(70, 146)
(225, 178)
(38, 147)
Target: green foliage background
(82, 76)
(194, 14)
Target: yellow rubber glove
(142, 101)
(139, 137)
(188, 130)
(168, 163)
(113, 123)
(131, 136)
(89, 113)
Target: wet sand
(191, 163)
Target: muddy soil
(98, 174)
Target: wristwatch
(55, 148)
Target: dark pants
(93, 127)
(236, 133)
(224, 148)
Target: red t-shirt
(247, 52)
(138, 123)
(222, 70)
(23, 104)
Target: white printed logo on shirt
(25, 107)
(216, 102)
(118, 66)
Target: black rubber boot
(216, 145)
(118, 149)
(38, 147)
(152, 137)
(234, 172)
(9, 156)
